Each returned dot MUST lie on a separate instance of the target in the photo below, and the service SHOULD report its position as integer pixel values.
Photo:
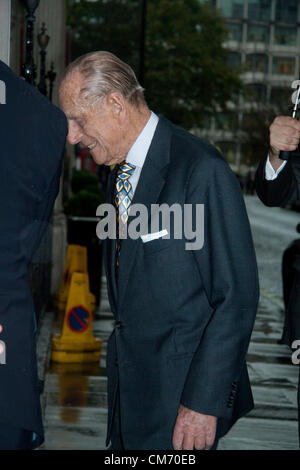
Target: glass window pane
(251, 154)
(285, 36)
(206, 122)
(258, 33)
(282, 99)
(283, 65)
(235, 32)
(281, 94)
(232, 8)
(286, 11)
(234, 59)
(248, 119)
(259, 9)
(226, 121)
(256, 92)
(228, 150)
(257, 63)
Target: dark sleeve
(279, 192)
(227, 267)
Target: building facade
(264, 42)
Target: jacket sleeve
(279, 192)
(228, 270)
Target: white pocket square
(154, 236)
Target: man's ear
(116, 104)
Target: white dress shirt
(138, 152)
(270, 173)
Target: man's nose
(74, 134)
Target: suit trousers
(12, 438)
(291, 330)
(299, 407)
(116, 433)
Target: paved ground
(75, 396)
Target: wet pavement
(75, 395)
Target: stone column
(5, 17)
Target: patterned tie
(123, 198)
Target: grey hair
(103, 73)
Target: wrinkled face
(97, 128)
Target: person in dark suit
(32, 136)
(290, 269)
(278, 184)
(177, 376)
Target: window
(232, 8)
(259, 10)
(256, 92)
(285, 36)
(287, 11)
(258, 33)
(234, 59)
(235, 32)
(228, 150)
(283, 66)
(252, 152)
(248, 120)
(205, 122)
(226, 121)
(282, 98)
(257, 63)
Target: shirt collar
(138, 152)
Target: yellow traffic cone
(77, 342)
(76, 261)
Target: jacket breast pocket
(154, 246)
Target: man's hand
(193, 430)
(284, 135)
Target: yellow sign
(77, 342)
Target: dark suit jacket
(183, 318)
(285, 189)
(32, 137)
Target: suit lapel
(150, 185)
(110, 250)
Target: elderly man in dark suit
(177, 376)
(32, 136)
(278, 184)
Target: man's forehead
(71, 105)
(69, 93)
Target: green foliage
(83, 178)
(105, 25)
(189, 77)
(186, 71)
(87, 195)
(83, 204)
